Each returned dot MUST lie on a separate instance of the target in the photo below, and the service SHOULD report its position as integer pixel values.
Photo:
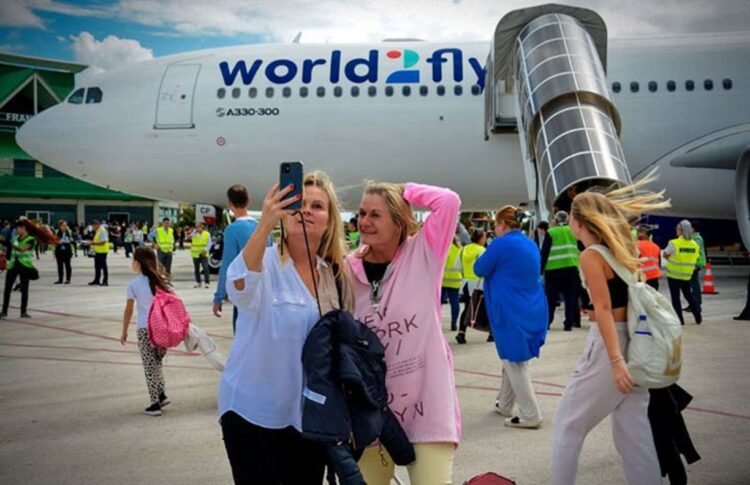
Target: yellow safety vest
(101, 248)
(25, 258)
(681, 264)
(469, 256)
(452, 274)
(199, 244)
(165, 239)
(564, 250)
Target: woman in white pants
(601, 384)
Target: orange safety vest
(649, 254)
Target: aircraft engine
(742, 196)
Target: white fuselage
(162, 130)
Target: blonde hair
(331, 247)
(606, 215)
(507, 214)
(400, 210)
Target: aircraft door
(174, 106)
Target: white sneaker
(518, 422)
(197, 285)
(502, 412)
(207, 285)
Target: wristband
(616, 360)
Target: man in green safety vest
(165, 244)
(682, 256)
(20, 264)
(199, 244)
(560, 260)
(700, 265)
(452, 280)
(100, 243)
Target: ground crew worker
(352, 235)
(452, 280)
(560, 260)
(469, 255)
(650, 257)
(100, 243)
(199, 251)
(682, 255)
(695, 280)
(63, 251)
(20, 264)
(165, 244)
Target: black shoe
(153, 410)
(454, 328)
(58, 282)
(3, 316)
(698, 320)
(104, 284)
(490, 338)
(568, 329)
(93, 283)
(164, 400)
(67, 282)
(577, 325)
(461, 337)
(25, 315)
(742, 316)
(688, 309)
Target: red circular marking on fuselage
(393, 54)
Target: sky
(110, 33)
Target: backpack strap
(339, 289)
(621, 271)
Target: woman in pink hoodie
(396, 276)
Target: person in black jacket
(63, 251)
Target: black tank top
(618, 292)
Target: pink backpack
(489, 479)
(168, 320)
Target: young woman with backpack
(601, 384)
(140, 294)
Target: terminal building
(29, 85)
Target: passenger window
(406, 90)
(252, 92)
(441, 90)
(269, 92)
(389, 91)
(634, 87)
(321, 91)
(372, 91)
(355, 91)
(671, 86)
(708, 85)
(77, 97)
(616, 87)
(458, 90)
(286, 92)
(303, 92)
(423, 90)
(337, 91)
(236, 93)
(652, 86)
(689, 85)
(93, 95)
(727, 83)
(220, 93)
(476, 90)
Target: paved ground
(71, 397)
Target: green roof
(11, 78)
(10, 149)
(58, 188)
(40, 63)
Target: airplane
(185, 127)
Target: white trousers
(517, 389)
(591, 395)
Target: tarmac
(72, 398)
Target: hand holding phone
(292, 173)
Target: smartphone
(291, 173)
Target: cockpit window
(77, 96)
(93, 95)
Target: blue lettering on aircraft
(443, 65)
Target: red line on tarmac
(489, 374)
(71, 315)
(89, 334)
(61, 347)
(87, 361)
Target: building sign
(205, 213)
(14, 118)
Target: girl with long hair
(601, 384)
(140, 291)
(279, 298)
(396, 276)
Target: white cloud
(23, 13)
(18, 14)
(109, 52)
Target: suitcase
(489, 478)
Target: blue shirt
(235, 238)
(515, 300)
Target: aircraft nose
(37, 135)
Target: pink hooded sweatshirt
(408, 321)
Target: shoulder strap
(618, 268)
(339, 289)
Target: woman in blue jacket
(517, 309)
